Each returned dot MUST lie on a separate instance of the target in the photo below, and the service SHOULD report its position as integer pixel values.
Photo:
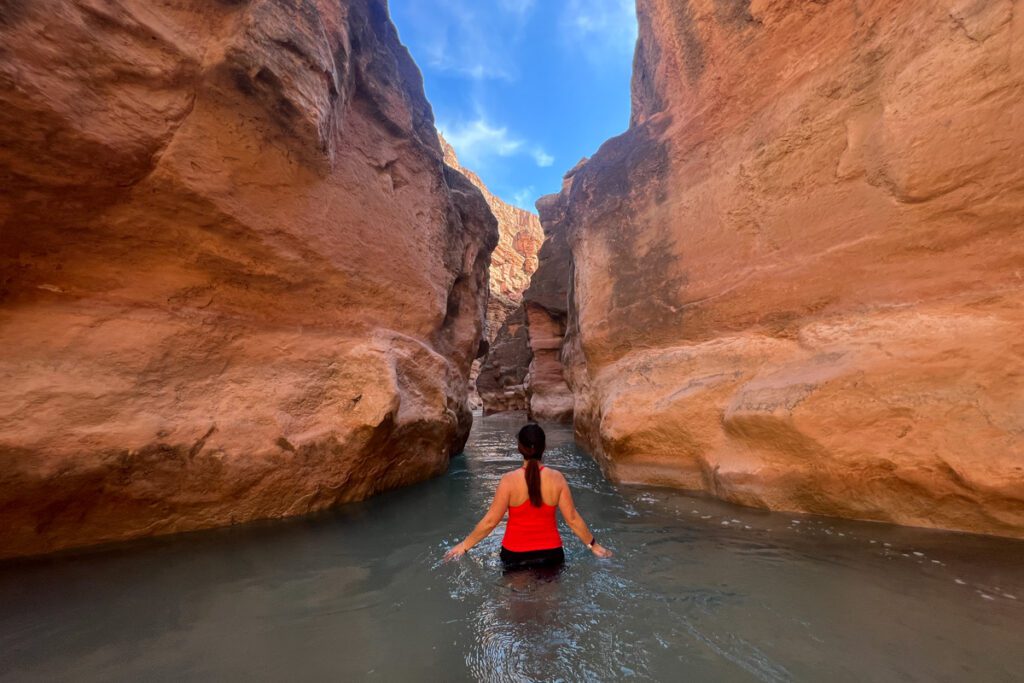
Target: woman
(530, 494)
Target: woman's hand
(600, 551)
(455, 553)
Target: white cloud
(600, 28)
(478, 64)
(467, 37)
(542, 158)
(479, 141)
(520, 8)
(525, 198)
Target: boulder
(237, 280)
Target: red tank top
(531, 528)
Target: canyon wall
(497, 381)
(523, 370)
(514, 260)
(798, 279)
(237, 280)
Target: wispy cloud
(600, 28)
(458, 56)
(525, 198)
(479, 141)
(520, 8)
(542, 158)
(463, 37)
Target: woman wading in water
(530, 495)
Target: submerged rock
(237, 280)
(799, 276)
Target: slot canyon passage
(773, 330)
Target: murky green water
(699, 591)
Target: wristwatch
(591, 544)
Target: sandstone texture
(546, 303)
(501, 382)
(497, 380)
(798, 279)
(514, 260)
(524, 369)
(237, 280)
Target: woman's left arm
(486, 525)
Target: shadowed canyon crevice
(513, 261)
(524, 369)
(237, 280)
(797, 281)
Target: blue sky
(523, 89)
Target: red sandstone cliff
(523, 370)
(513, 262)
(799, 276)
(236, 279)
(504, 371)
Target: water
(698, 591)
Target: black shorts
(552, 557)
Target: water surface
(698, 590)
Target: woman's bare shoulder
(554, 474)
(512, 474)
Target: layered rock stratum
(237, 280)
(798, 279)
(513, 262)
(501, 382)
(524, 370)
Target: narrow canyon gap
(513, 262)
(237, 280)
(797, 281)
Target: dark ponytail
(531, 445)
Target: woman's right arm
(576, 523)
(486, 525)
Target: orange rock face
(513, 262)
(236, 279)
(547, 310)
(524, 368)
(501, 382)
(799, 276)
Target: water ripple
(698, 590)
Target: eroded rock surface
(547, 309)
(496, 382)
(514, 260)
(799, 276)
(524, 370)
(236, 279)
(501, 381)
